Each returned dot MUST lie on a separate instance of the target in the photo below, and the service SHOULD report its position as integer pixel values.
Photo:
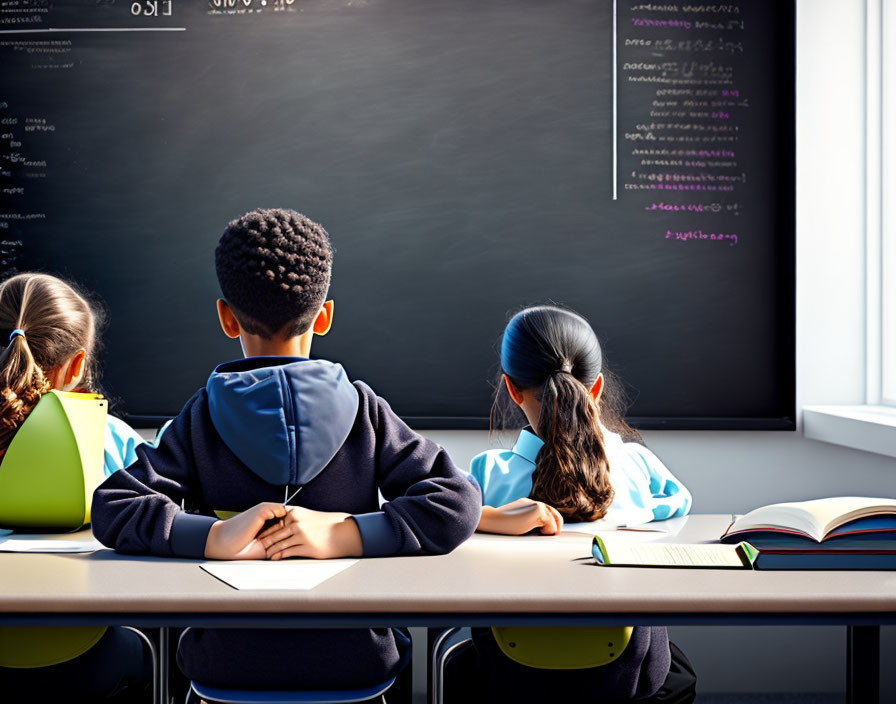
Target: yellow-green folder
(55, 461)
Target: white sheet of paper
(588, 527)
(525, 543)
(26, 543)
(286, 574)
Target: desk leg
(862, 664)
(419, 644)
(164, 659)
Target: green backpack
(54, 463)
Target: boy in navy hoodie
(300, 452)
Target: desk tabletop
(488, 575)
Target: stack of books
(839, 533)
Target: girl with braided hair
(577, 460)
(53, 341)
(52, 344)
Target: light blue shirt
(120, 447)
(644, 489)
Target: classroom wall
(737, 471)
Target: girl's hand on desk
(306, 533)
(236, 538)
(520, 517)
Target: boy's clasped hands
(272, 531)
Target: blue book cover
(825, 561)
(882, 523)
(879, 542)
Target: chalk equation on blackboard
(684, 112)
(248, 7)
(10, 254)
(733, 208)
(700, 235)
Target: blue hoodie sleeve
(431, 506)
(137, 510)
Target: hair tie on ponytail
(565, 368)
(16, 332)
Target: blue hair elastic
(16, 332)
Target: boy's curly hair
(273, 267)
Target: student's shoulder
(117, 428)
(366, 392)
(641, 455)
(194, 412)
(119, 445)
(372, 406)
(492, 456)
(482, 463)
(197, 403)
(624, 451)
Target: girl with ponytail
(52, 332)
(577, 460)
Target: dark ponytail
(556, 352)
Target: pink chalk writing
(686, 207)
(688, 235)
(648, 22)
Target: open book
(817, 520)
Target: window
(886, 275)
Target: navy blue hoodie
(262, 429)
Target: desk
(490, 580)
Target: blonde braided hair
(52, 321)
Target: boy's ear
(74, 371)
(515, 393)
(229, 323)
(324, 320)
(597, 388)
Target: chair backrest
(567, 648)
(42, 646)
(53, 464)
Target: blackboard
(631, 160)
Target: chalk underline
(93, 29)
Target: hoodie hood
(285, 418)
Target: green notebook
(618, 553)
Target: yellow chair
(574, 648)
(47, 478)
(546, 648)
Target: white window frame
(881, 249)
(872, 426)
